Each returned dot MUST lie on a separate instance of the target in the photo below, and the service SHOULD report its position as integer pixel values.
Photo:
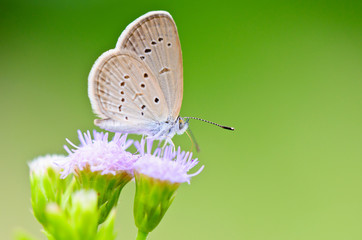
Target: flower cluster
(90, 179)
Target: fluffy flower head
(40, 165)
(169, 165)
(99, 155)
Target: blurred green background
(286, 74)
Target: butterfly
(138, 86)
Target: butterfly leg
(159, 144)
(164, 146)
(169, 141)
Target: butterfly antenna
(193, 140)
(224, 127)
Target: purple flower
(171, 165)
(99, 154)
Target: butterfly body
(138, 86)
(155, 130)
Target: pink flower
(99, 154)
(171, 165)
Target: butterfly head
(182, 125)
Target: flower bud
(46, 185)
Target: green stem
(141, 235)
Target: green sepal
(48, 235)
(105, 230)
(48, 187)
(38, 198)
(83, 214)
(79, 221)
(58, 225)
(152, 199)
(108, 187)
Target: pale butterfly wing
(153, 38)
(124, 92)
(137, 87)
